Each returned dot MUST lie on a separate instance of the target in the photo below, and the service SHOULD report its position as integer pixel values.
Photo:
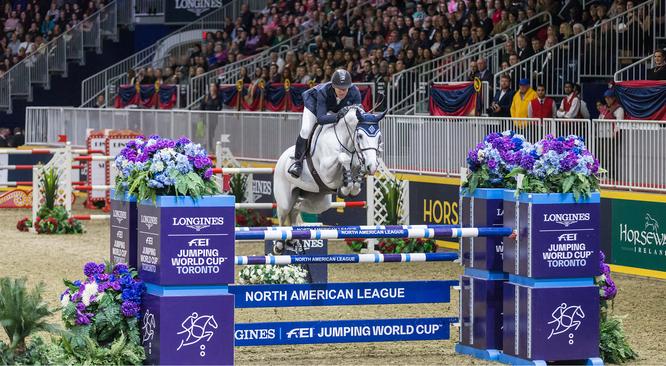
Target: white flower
(65, 300)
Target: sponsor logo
(197, 329)
(149, 221)
(262, 188)
(251, 334)
(199, 242)
(197, 6)
(568, 237)
(566, 219)
(119, 215)
(300, 333)
(566, 318)
(648, 235)
(198, 223)
(148, 326)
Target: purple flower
(527, 162)
(120, 268)
(184, 140)
(208, 173)
(115, 285)
(102, 277)
(568, 162)
(82, 319)
(129, 309)
(90, 269)
(201, 162)
(492, 164)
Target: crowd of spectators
(28, 25)
(11, 138)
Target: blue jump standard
(334, 233)
(513, 360)
(483, 354)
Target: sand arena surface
(50, 258)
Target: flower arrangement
(389, 246)
(270, 274)
(613, 345)
(562, 165)
(491, 161)
(250, 217)
(156, 166)
(51, 219)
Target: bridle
(355, 138)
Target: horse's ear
(372, 118)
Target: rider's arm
(323, 118)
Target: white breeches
(308, 123)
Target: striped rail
(346, 258)
(29, 167)
(361, 227)
(243, 170)
(335, 233)
(46, 151)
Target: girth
(308, 158)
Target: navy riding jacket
(321, 99)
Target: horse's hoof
(345, 191)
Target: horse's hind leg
(287, 215)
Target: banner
(432, 203)
(638, 230)
(187, 11)
(642, 99)
(453, 99)
(147, 96)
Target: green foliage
(613, 345)
(34, 354)
(50, 180)
(238, 185)
(481, 179)
(391, 195)
(394, 246)
(76, 349)
(22, 313)
(56, 220)
(190, 184)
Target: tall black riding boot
(297, 167)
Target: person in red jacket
(543, 106)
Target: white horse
(342, 154)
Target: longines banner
(186, 11)
(639, 234)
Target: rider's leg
(307, 124)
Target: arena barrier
(345, 258)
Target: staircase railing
(97, 84)
(52, 57)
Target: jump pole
(345, 258)
(334, 233)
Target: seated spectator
(17, 139)
(483, 73)
(658, 72)
(501, 104)
(522, 99)
(570, 106)
(543, 106)
(101, 101)
(211, 101)
(4, 137)
(244, 76)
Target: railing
(407, 92)
(631, 151)
(96, 85)
(597, 52)
(52, 57)
(636, 71)
(149, 7)
(229, 73)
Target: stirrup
(296, 169)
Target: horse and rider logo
(148, 326)
(197, 328)
(651, 223)
(565, 318)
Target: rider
(319, 102)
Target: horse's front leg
(345, 160)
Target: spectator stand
(148, 96)
(274, 97)
(466, 98)
(592, 53)
(227, 74)
(107, 81)
(46, 58)
(411, 94)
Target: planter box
(187, 242)
(123, 248)
(557, 236)
(483, 208)
(186, 327)
(481, 313)
(550, 320)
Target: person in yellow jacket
(521, 101)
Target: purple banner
(483, 252)
(562, 242)
(554, 324)
(186, 245)
(187, 330)
(123, 248)
(481, 312)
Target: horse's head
(368, 140)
